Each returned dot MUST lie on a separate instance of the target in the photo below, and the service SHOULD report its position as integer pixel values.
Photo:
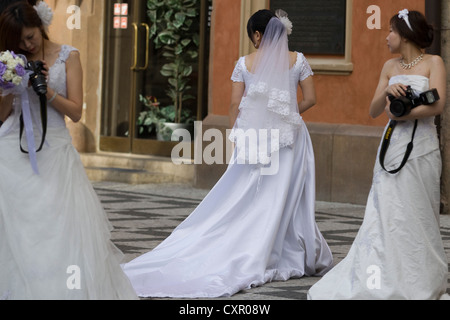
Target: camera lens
(39, 84)
(401, 107)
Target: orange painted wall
(341, 99)
(346, 99)
(224, 53)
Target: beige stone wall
(345, 157)
(445, 131)
(88, 38)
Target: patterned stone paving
(145, 215)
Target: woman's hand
(397, 90)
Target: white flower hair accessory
(283, 16)
(45, 13)
(404, 14)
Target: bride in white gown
(55, 240)
(252, 227)
(398, 252)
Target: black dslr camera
(37, 78)
(402, 106)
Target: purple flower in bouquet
(12, 70)
(20, 70)
(7, 85)
(3, 69)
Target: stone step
(135, 169)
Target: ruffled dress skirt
(252, 228)
(55, 240)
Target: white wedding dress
(249, 230)
(398, 252)
(54, 234)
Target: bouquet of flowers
(14, 79)
(12, 70)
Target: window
(322, 31)
(319, 25)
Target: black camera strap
(43, 100)
(387, 142)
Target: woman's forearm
(65, 106)
(378, 105)
(305, 105)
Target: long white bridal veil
(268, 114)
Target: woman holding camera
(54, 234)
(398, 252)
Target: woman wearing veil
(258, 223)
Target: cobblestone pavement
(144, 215)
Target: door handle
(147, 46)
(136, 33)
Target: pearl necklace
(412, 64)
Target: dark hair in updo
(259, 22)
(422, 34)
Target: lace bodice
(57, 81)
(266, 107)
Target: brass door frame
(137, 76)
(131, 144)
(124, 144)
(143, 146)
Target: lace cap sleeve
(237, 75)
(65, 52)
(305, 68)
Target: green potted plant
(156, 121)
(175, 31)
(150, 118)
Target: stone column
(445, 119)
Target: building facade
(344, 41)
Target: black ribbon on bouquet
(387, 142)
